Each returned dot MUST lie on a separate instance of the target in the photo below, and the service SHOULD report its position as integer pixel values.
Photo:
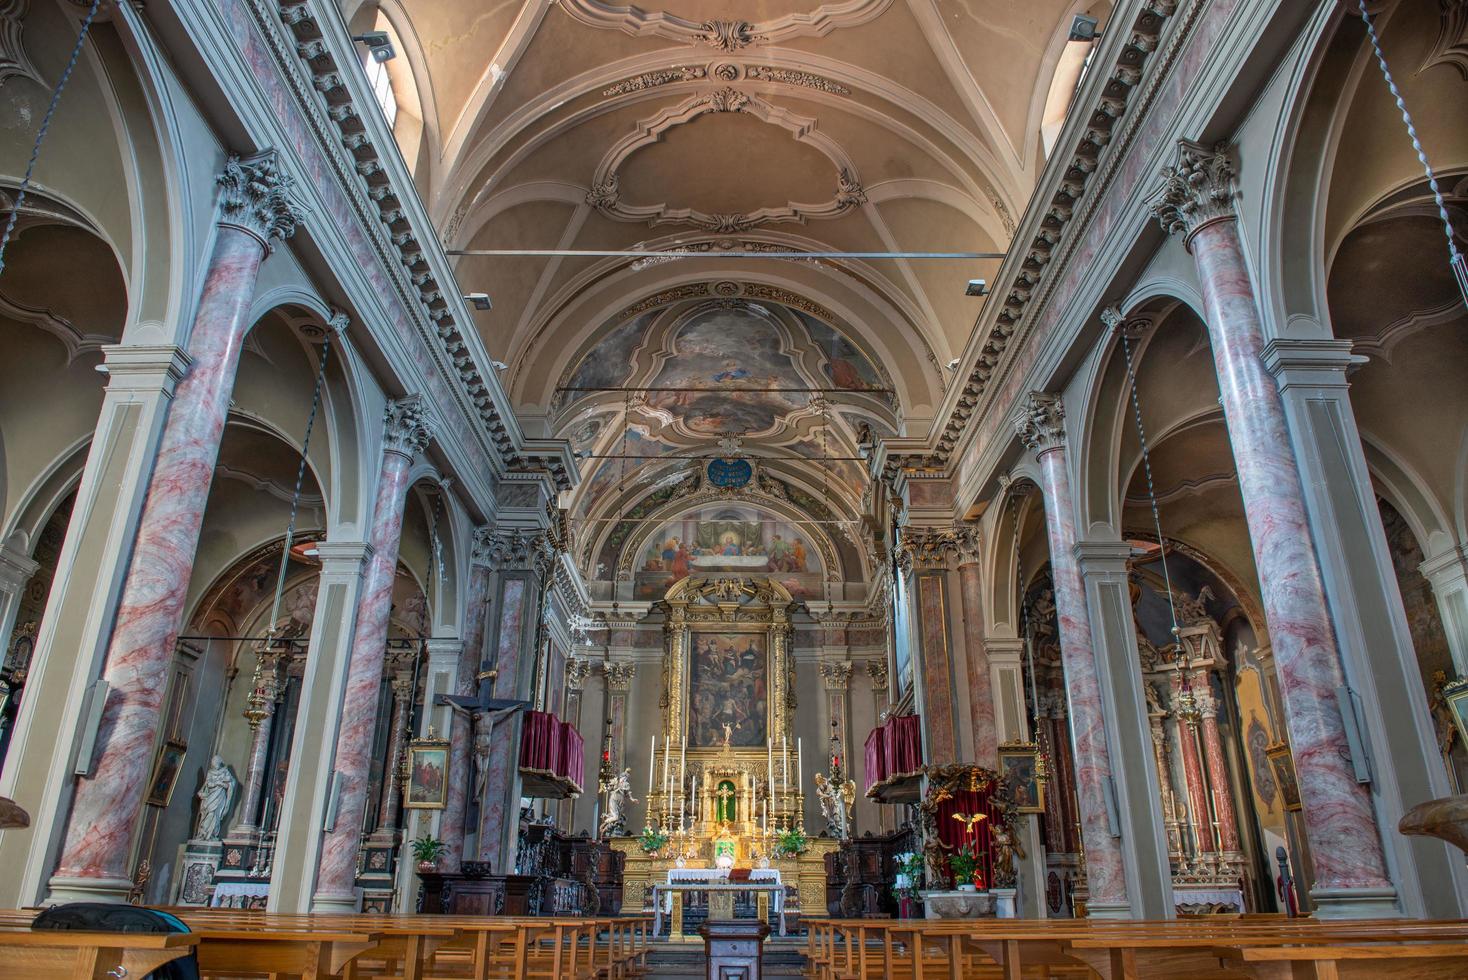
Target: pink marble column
(1219, 786)
(980, 689)
(496, 807)
(461, 766)
(1186, 714)
(408, 431)
(256, 210)
(1041, 426)
(1345, 845)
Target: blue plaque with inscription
(730, 473)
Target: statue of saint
(215, 798)
(836, 799)
(619, 794)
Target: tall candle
(652, 763)
(770, 764)
(785, 764)
(667, 752)
(799, 766)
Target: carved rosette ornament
(619, 674)
(256, 197)
(837, 675)
(877, 671)
(1198, 189)
(409, 427)
(1040, 423)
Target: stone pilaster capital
(577, 670)
(15, 569)
(1197, 189)
(1102, 556)
(482, 549)
(147, 369)
(1311, 362)
(929, 547)
(334, 555)
(877, 671)
(1132, 328)
(619, 674)
(1446, 570)
(255, 196)
(967, 542)
(1040, 423)
(408, 427)
(836, 674)
(514, 549)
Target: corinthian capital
(256, 196)
(966, 539)
(836, 674)
(1198, 189)
(1040, 422)
(408, 427)
(619, 674)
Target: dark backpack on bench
(104, 917)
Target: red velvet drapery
(551, 746)
(952, 832)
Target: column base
(62, 890)
(1356, 903)
(334, 904)
(1108, 910)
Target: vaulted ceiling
(697, 128)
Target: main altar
(724, 792)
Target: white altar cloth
(237, 894)
(663, 896)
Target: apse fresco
(727, 689)
(633, 442)
(845, 365)
(731, 359)
(742, 540)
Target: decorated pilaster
(1041, 427)
(975, 648)
(407, 432)
(256, 210)
(522, 559)
(461, 735)
(1447, 573)
(836, 680)
(1197, 202)
(931, 550)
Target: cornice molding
(724, 35)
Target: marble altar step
(670, 962)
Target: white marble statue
(215, 798)
(483, 743)
(619, 794)
(836, 799)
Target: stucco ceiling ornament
(1197, 189)
(605, 192)
(1040, 423)
(14, 62)
(725, 35)
(1451, 47)
(653, 79)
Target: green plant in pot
(426, 851)
(791, 843)
(652, 841)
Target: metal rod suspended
(633, 253)
(663, 520)
(791, 459)
(727, 391)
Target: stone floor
(670, 961)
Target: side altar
(725, 788)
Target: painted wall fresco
(845, 365)
(743, 540)
(728, 689)
(609, 363)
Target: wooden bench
(68, 955)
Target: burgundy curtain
(876, 756)
(573, 753)
(951, 831)
(538, 749)
(904, 745)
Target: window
(381, 84)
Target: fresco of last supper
(737, 540)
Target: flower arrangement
(427, 850)
(652, 841)
(791, 842)
(909, 876)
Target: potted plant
(965, 867)
(905, 883)
(427, 850)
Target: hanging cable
(290, 527)
(30, 167)
(1126, 347)
(1460, 268)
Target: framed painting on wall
(728, 687)
(1018, 767)
(1284, 775)
(428, 767)
(166, 771)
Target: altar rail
(234, 943)
(1212, 948)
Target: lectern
(734, 948)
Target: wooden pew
(68, 955)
